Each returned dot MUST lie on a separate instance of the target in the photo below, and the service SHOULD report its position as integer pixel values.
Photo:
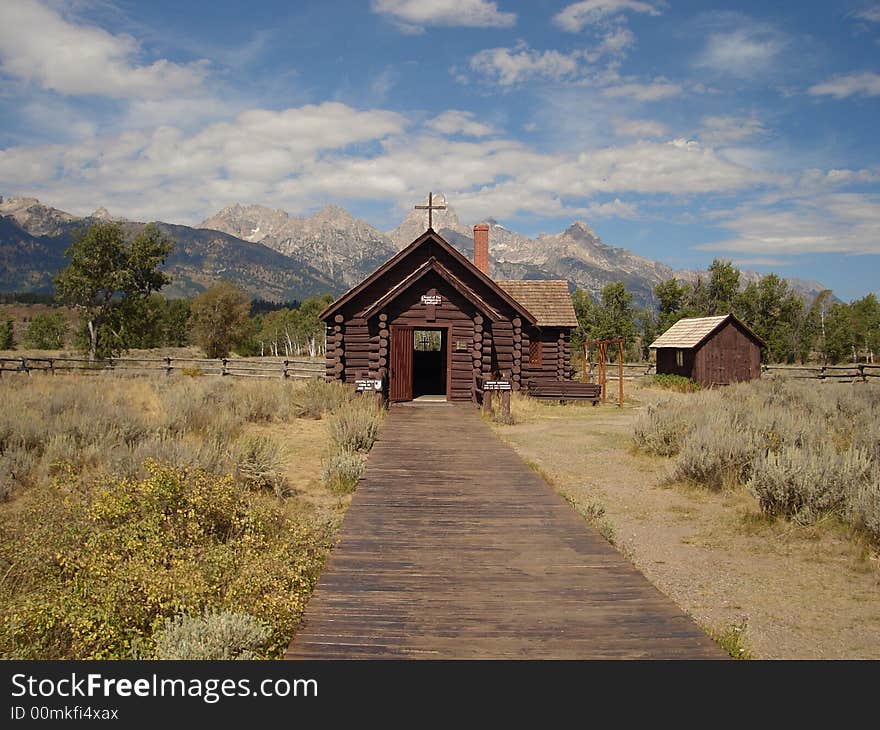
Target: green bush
(90, 575)
(678, 383)
(355, 425)
(211, 636)
(342, 471)
(46, 332)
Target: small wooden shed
(710, 350)
(429, 321)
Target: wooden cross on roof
(430, 207)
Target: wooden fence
(630, 370)
(857, 372)
(236, 367)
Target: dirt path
(803, 592)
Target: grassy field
(169, 517)
(769, 565)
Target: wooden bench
(563, 390)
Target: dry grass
(240, 475)
(792, 590)
(804, 450)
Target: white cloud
(871, 13)
(510, 66)
(743, 52)
(846, 223)
(38, 45)
(720, 129)
(300, 157)
(641, 128)
(865, 83)
(459, 122)
(414, 15)
(576, 17)
(653, 91)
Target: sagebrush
(804, 450)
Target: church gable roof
(428, 237)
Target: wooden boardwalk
(454, 549)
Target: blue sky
(680, 130)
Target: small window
(679, 358)
(534, 352)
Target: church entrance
(429, 362)
(419, 362)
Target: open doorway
(429, 362)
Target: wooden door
(401, 371)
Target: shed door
(401, 374)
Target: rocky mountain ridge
(329, 251)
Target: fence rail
(242, 368)
(857, 372)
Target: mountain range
(282, 257)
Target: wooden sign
(496, 385)
(461, 346)
(364, 385)
(434, 299)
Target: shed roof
(691, 331)
(548, 300)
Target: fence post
(862, 373)
(224, 371)
(487, 400)
(52, 365)
(284, 370)
(505, 403)
(24, 367)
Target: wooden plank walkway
(454, 548)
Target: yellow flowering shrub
(96, 573)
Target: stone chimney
(481, 247)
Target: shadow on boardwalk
(454, 548)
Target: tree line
(793, 329)
(113, 283)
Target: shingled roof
(548, 300)
(691, 331)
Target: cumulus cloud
(298, 157)
(865, 83)
(510, 66)
(574, 18)
(459, 122)
(40, 46)
(414, 15)
(836, 223)
(742, 52)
